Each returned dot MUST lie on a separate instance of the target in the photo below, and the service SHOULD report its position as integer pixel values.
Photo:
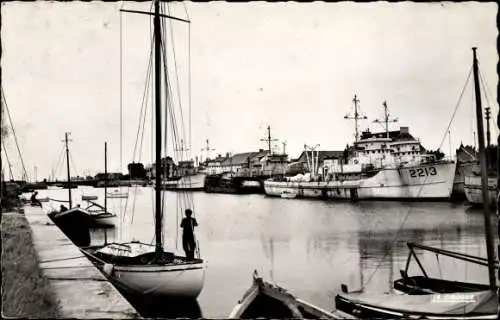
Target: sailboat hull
(132, 268)
(184, 281)
(104, 220)
(438, 306)
(195, 182)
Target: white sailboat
(140, 267)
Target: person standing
(188, 223)
(34, 200)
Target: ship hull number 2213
(423, 172)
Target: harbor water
(310, 247)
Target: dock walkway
(81, 290)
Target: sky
(241, 67)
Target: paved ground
(82, 291)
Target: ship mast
(357, 116)
(386, 119)
(484, 177)
(207, 149)
(157, 76)
(269, 140)
(67, 167)
(157, 110)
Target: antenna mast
(67, 167)
(207, 149)
(269, 140)
(357, 116)
(386, 119)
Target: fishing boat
(142, 268)
(266, 300)
(88, 197)
(99, 214)
(473, 192)
(416, 285)
(75, 222)
(436, 298)
(94, 215)
(288, 194)
(390, 165)
(117, 194)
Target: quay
(79, 287)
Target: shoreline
(26, 292)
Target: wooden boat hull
(435, 306)
(195, 182)
(423, 285)
(104, 220)
(117, 195)
(264, 300)
(89, 197)
(74, 223)
(473, 190)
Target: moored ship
(387, 165)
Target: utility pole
(488, 117)
(268, 139)
(386, 119)
(284, 147)
(357, 116)
(67, 167)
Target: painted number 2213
(422, 172)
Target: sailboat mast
(484, 177)
(158, 213)
(67, 167)
(105, 177)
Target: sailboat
(99, 214)
(142, 268)
(455, 303)
(75, 222)
(88, 217)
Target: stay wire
(14, 134)
(393, 241)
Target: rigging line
(145, 95)
(59, 159)
(8, 161)
(121, 111)
(176, 74)
(456, 109)
(189, 72)
(74, 167)
(487, 96)
(420, 190)
(14, 133)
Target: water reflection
(309, 247)
(164, 307)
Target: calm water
(310, 247)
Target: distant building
(301, 164)
(256, 163)
(168, 168)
